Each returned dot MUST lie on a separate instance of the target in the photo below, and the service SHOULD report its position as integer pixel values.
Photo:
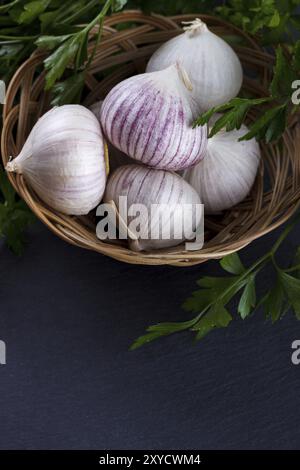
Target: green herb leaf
(232, 264)
(271, 124)
(274, 302)
(50, 42)
(277, 125)
(159, 330)
(275, 20)
(68, 91)
(57, 62)
(216, 317)
(32, 10)
(235, 112)
(212, 290)
(269, 18)
(291, 287)
(248, 298)
(81, 55)
(283, 76)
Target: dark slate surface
(68, 316)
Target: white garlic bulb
(63, 160)
(227, 173)
(149, 117)
(167, 199)
(212, 65)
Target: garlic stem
(121, 224)
(184, 76)
(195, 26)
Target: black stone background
(68, 316)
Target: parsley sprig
(73, 47)
(210, 302)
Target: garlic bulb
(116, 157)
(63, 160)
(227, 173)
(212, 65)
(166, 198)
(149, 118)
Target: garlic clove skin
(63, 160)
(149, 118)
(116, 157)
(211, 64)
(147, 186)
(226, 175)
(96, 109)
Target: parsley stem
(18, 38)
(6, 7)
(101, 15)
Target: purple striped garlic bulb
(149, 117)
(63, 160)
(163, 200)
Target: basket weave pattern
(124, 51)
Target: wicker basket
(123, 52)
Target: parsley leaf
(274, 302)
(248, 298)
(68, 91)
(31, 10)
(291, 287)
(57, 62)
(161, 329)
(232, 264)
(283, 77)
(217, 317)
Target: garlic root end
(195, 26)
(12, 166)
